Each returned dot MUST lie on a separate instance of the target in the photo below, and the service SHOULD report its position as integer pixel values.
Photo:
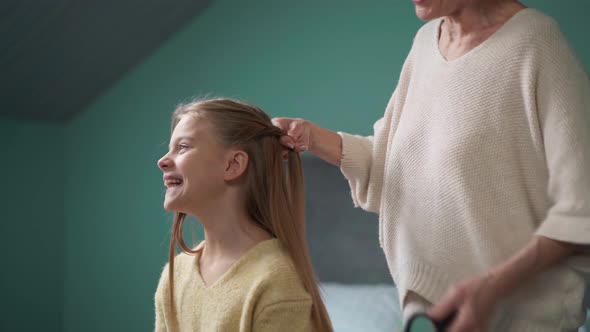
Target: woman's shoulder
(531, 17)
(540, 37)
(427, 32)
(532, 27)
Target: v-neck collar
(228, 274)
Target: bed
(357, 287)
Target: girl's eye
(182, 147)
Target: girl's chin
(169, 205)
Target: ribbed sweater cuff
(355, 163)
(356, 156)
(429, 282)
(573, 229)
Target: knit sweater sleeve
(292, 315)
(563, 104)
(159, 301)
(362, 164)
(364, 157)
(283, 304)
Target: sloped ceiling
(58, 56)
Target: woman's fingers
(297, 137)
(461, 323)
(282, 123)
(448, 304)
(301, 134)
(288, 142)
(471, 301)
(296, 129)
(467, 320)
(301, 148)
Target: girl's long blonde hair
(274, 189)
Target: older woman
(478, 169)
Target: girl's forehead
(191, 125)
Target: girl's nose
(164, 162)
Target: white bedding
(369, 308)
(362, 308)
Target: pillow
(586, 327)
(362, 308)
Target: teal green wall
(333, 62)
(31, 226)
(572, 16)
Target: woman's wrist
(325, 144)
(540, 254)
(499, 282)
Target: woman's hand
(472, 300)
(303, 135)
(298, 133)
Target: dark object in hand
(421, 322)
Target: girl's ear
(237, 162)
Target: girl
(253, 271)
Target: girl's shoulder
(270, 258)
(272, 268)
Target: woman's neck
(478, 19)
(469, 26)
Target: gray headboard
(343, 240)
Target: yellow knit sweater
(261, 292)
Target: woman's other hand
(472, 300)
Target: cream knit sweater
(475, 156)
